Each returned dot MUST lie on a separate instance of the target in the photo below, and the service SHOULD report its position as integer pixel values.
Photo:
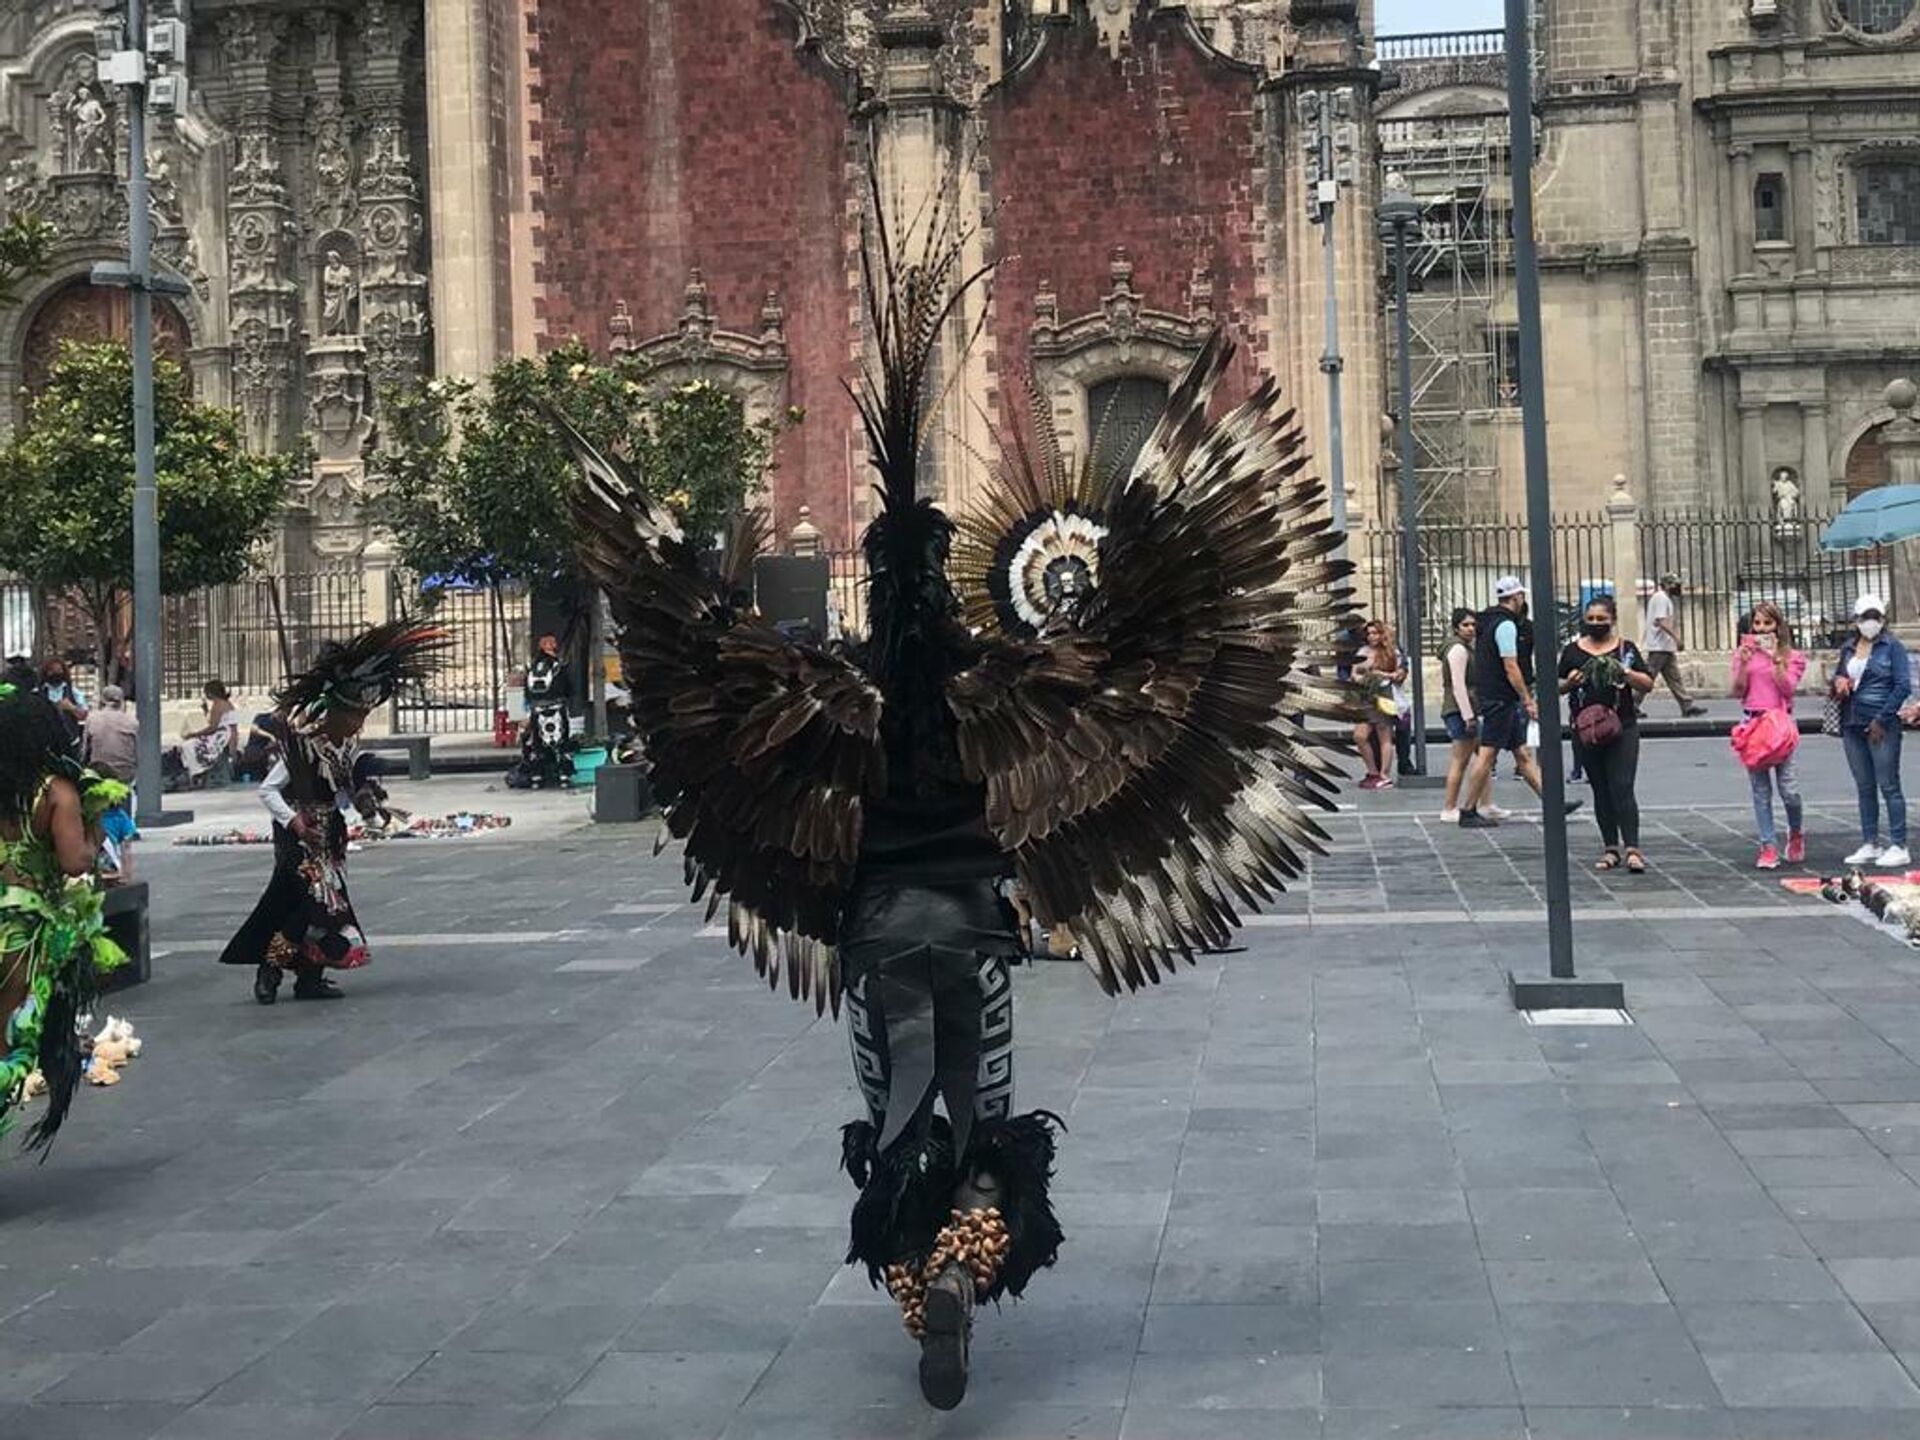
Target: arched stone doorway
(87, 312)
(1867, 465)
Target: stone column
(1623, 520)
(393, 292)
(1801, 202)
(1753, 452)
(918, 143)
(1816, 479)
(262, 295)
(1742, 171)
(464, 181)
(1900, 437)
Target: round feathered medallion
(1051, 562)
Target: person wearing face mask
(1603, 674)
(1766, 672)
(1503, 686)
(1662, 648)
(1871, 680)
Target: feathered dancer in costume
(1113, 730)
(304, 922)
(53, 940)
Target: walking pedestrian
(1872, 681)
(1603, 674)
(60, 691)
(1503, 698)
(1457, 711)
(1662, 645)
(1380, 669)
(1766, 672)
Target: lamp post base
(1596, 990)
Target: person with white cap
(1871, 680)
(1503, 686)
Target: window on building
(1121, 414)
(1876, 17)
(1887, 202)
(1770, 208)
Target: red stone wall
(675, 135)
(1157, 151)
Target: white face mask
(1869, 629)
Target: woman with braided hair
(304, 923)
(53, 941)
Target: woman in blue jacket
(1872, 682)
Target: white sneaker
(1867, 854)
(1449, 817)
(1496, 812)
(1894, 857)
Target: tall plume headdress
(365, 672)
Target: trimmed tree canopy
(68, 482)
(474, 482)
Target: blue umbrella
(1879, 517)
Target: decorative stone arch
(1123, 338)
(1844, 461)
(751, 367)
(74, 269)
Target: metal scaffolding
(1456, 161)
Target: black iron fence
(489, 633)
(248, 635)
(251, 635)
(1728, 563)
(1460, 563)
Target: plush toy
(121, 1032)
(36, 1085)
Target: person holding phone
(1872, 681)
(1766, 672)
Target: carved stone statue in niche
(1786, 495)
(339, 297)
(83, 122)
(163, 188)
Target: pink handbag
(1765, 740)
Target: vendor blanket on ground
(418, 827)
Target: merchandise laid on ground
(405, 827)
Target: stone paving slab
(1329, 1186)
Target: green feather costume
(53, 934)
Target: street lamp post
(1558, 990)
(1329, 139)
(124, 57)
(1399, 217)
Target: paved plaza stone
(560, 1168)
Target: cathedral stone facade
(291, 195)
(365, 191)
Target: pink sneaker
(1796, 848)
(1372, 782)
(1769, 859)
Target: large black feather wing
(760, 751)
(1143, 758)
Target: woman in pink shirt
(1766, 672)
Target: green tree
(26, 242)
(474, 483)
(68, 482)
